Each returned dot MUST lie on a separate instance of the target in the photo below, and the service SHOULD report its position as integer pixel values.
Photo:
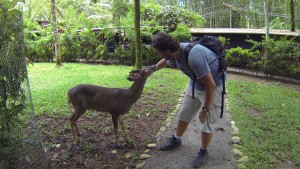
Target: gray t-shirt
(201, 61)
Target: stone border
(170, 117)
(236, 143)
(167, 123)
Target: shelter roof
(243, 31)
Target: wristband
(154, 66)
(205, 109)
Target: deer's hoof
(116, 146)
(130, 144)
(76, 141)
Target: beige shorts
(191, 107)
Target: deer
(116, 101)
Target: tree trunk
(138, 45)
(292, 10)
(56, 36)
(266, 19)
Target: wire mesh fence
(20, 141)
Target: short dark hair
(163, 42)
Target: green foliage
(277, 23)
(243, 58)
(282, 57)
(149, 13)
(224, 41)
(101, 51)
(170, 16)
(273, 57)
(12, 74)
(70, 46)
(149, 55)
(119, 9)
(182, 33)
(88, 44)
(38, 41)
(122, 54)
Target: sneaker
(170, 144)
(201, 159)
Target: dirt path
(233, 76)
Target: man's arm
(161, 64)
(210, 88)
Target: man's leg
(202, 157)
(175, 140)
(206, 139)
(181, 127)
(188, 109)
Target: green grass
(269, 120)
(49, 84)
(267, 115)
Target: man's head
(165, 45)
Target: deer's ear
(134, 74)
(144, 71)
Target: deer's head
(140, 74)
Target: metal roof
(244, 31)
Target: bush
(171, 16)
(149, 56)
(39, 43)
(182, 33)
(101, 51)
(243, 58)
(282, 57)
(70, 44)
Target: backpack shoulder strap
(186, 52)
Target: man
(207, 90)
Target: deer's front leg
(121, 120)
(115, 123)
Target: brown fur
(116, 101)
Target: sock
(203, 149)
(177, 137)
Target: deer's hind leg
(115, 123)
(74, 117)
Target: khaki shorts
(191, 107)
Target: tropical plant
(182, 33)
(170, 16)
(12, 74)
(283, 57)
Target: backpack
(214, 44)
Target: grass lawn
(268, 117)
(49, 85)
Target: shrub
(149, 56)
(169, 17)
(182, 33)
(101, 51)
(70, 45)
(282, 57)
(243, 58)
